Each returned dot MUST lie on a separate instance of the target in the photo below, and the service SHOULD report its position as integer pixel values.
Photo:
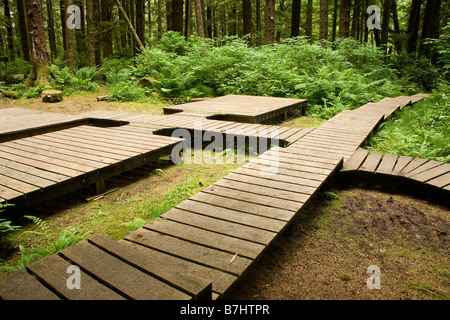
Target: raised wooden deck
(240, 108)
(422, 177)
(204, 244)
(44, 156)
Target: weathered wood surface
(202, 246)
(240, 108)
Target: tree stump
(52, 96)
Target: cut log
(52, 96)
(102, 98)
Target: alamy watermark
(74, 280)
(374, 280)
(74, 19)
(374, 20)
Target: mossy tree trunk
(40, 57)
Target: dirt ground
(335, 238)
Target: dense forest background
(320, 50)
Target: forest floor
(334, 239)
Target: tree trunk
(187, 19)
(323, 26)
(344, 18)
(177, 16)
(334, 26)
(9, 30)
(23, 29)
(169, 14)
(269, 20)
(70, 41)
(258, 15)
(130, 25)
(140, 20)
(385, 23)
(413, 26)
(354, 33)
(309, 20)
(40, 58)
(90, 33)
(295, 18)
(159, 20)
(247, 16)
(106, 34)
(205, 22)
(199, 19)
(398, 46)
(430, 27)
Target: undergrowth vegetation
(422, 130)
(332, 80)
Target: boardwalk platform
(205, 244)
(422, 177)
(165, 125)
(240, 108)
(47, 155)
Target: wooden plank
(53, 164)
(232, 215)
(8, 193)
(125, 279)
(297, 161)
(18, 185)
(387, 164)
(52, 270)
(238, 205)
(183, 275)
(253, 198)
(20, 285)
(431, 173)
(402, 162)
(262, 190)
(355, 160)
(60, 156)
(371, 162)
(413, 164)
(215, 233)
(440, 181)
(312, 173)
(265, 182)
(84, 152)
(424, 167)
(306, 185)
(90, 158)
(25, 177)
(231, 229)
(205, 256)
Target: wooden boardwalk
(240, 108)
(72, 154)
(205, 244)
(416, 175)
(160, 124)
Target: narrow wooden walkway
(417, 175)
(206, 243)
(161, 124)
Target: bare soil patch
(335, 240)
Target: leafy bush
(125, 91)
(16, 67)
(77, 80)
(331, 80)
